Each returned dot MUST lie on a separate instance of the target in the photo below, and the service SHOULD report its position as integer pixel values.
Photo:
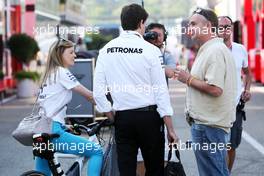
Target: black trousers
(144, 130)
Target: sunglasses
(202, 12)
(225, 26)
(61, 39)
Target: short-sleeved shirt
(241, 60)
(56, 93)
(168, 61)
(214, 65)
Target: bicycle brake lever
(75, 130)
(94, 130)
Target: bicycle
(42, 140)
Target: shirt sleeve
(169, 60)
(100, 87)
(160, 88)
(67, 79)
(245, 57)
(215, 72)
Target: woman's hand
(92, 100)
(85, 92)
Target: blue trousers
(72, 144)
(209, 145)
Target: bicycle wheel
(32, 173)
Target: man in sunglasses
(241, 60)
(211, 92)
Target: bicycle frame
(53, 157)
(77, 166)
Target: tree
(97, 41)
(23, 47)
(159, 10)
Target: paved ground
(250, 156)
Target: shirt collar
(129, 33)
(210, 42)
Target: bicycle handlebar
(94, 129)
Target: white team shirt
(56, 94)
(241, 60)
(130, 68)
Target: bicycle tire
(32, 173)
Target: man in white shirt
(241, 60)
(129, 67)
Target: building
(37, 18)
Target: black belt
(147, 108)
(189, 119)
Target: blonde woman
(56, 91)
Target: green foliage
(23, 47)
(158, 10)
(1, 75)
(62, 1)
(35, 76)
(96, 41)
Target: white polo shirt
(130, 68)
(241, 60)
(56, 93)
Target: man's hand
(170, 72)
(246, 95)
(110, 115)
(171, 135)
(182, 75)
